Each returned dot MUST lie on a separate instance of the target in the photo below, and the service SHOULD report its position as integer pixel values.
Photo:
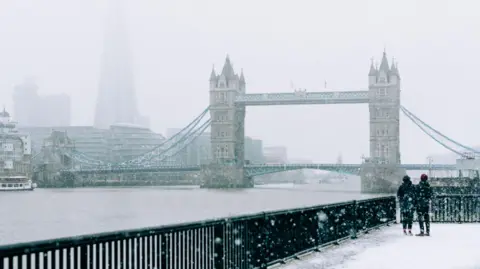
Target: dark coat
(424, 194)
(406, 196)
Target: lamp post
(429, 160)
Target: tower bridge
(228, 99)
(225, 115)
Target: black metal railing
(253, 241)
(456, 208)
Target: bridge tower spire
(381, 172)
(226, 169)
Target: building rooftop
(129, 125)
(4, 113)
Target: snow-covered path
(450, 246)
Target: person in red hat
(424, 194)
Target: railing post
(219, 246)
(353, 223)
(83, 256)
(460, 213)
(265, 242)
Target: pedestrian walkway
(450, 246)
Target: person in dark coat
(424, 194)
(406, 198)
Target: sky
(174, 45)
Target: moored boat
(15, 157)
(16, 183)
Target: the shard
(116, 100)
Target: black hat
(406, 178)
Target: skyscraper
(116, 101)
(34, 109)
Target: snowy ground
(450, 246)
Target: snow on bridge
(450, 246)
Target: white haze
(175, 43)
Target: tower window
(226, 151)
(217, 151)
(383, 113)
(221, 97)
(382, 92)
(386, 151)
(221, 151)
(221, 116)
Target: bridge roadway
(450, 246)
(256, 169)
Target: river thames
(51, 213)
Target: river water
(51, 213)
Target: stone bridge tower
(226, 169)
(381, 172)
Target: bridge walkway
(450, 246)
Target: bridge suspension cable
(170, 143)
(194, 132)
(439, 133)
(89, 161)
(423, 126)
(82, 159)
(166, 158)
(189, 139)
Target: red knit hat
(423, 177)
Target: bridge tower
(381, 172)
(226, 169)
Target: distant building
(143, 121)
(254, 150)
(199, 151)
(32, 109)
(276, 154)
(119, 143)
(87, 139)
(128, 141)
(182, 156)
(116, 99)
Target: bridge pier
(225, 176)
(380, 178)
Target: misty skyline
(174, 45)
(116, 100)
